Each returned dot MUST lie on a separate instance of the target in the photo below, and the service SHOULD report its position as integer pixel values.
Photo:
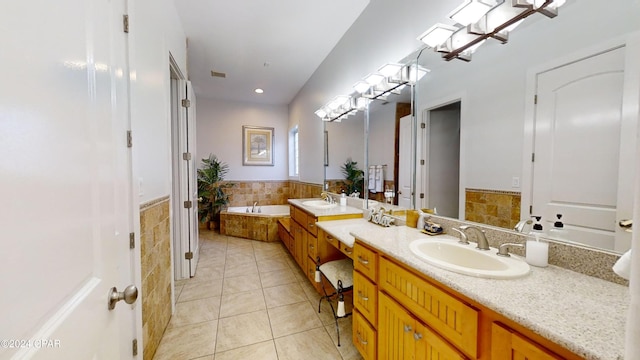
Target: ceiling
(273, 45)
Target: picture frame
(257, 146)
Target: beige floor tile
(272, 265)
(262, 351)
(201, 289)
(240, 269)
(293, 318)
(209, 272)
(347, 349)
(237, 284)
(325, 314)
(283, 295)
(188, 342)
(242, 303)
(311, 292)
(242, 330)
(311, 344)
(279, 277)
(195, 311)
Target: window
(294, 153)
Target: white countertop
(586, 315)
(333, 211)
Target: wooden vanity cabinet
(310, 242)
(507, 344)
(411, 316)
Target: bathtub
(262, 226)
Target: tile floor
(250, 300)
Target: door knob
(626, 224)
(129, 295)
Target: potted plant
(211, 190)
(354, 177)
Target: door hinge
(535, 99)
(134, 347)
(129, 139)
(421, 195)
(186, 103)
(530, 209)
(186, 156)
(533, 157)
(188, 255)
(423, 126)
(125, 23)
(188, 204)
(132, 240)
(421, 162)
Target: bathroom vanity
(404, 307)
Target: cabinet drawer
(346, 250)
(365, 298)
(312, 246)
(311, 225)
(299, 216)
(365, 260)
(331, 240)
(364, 337)
(453, 319)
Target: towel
(379, 179)
(622, 267)
(372, 178)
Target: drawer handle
(311, 225)
(311, 246)
(364, 298)
(363, 261)
(417, 336)
(349, 251)
(407, 328)
(360, 340)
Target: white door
(65, 181)
(405, 170)
(582, 150)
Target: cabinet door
(430, 346)
(506, 345)
(395, 331)
(364, 337)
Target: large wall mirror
(543, 125)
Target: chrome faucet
(253, 209)
(481, 239)
(503, 250)
(463, 237)
(326, 197)
(521, 224)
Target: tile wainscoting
(492, 207)
(155, 252)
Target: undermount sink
(448, 254)
(318, 204)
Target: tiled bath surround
(155, 251)
(249, 226)
(492, 207)
(245, 193)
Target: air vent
(218, 74)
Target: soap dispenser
(537, 253)
(343, 199)
(558, 231)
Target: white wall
(155, 31)
(492, 84)
(219, 125)
(382, 127)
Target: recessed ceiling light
(258, 91)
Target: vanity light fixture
(495, 23)
(258, 91)
(390, 79)
(471, 11)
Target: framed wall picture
(257, 146)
